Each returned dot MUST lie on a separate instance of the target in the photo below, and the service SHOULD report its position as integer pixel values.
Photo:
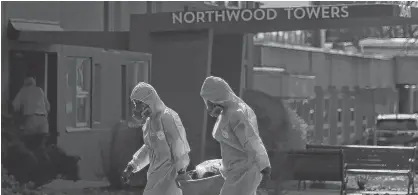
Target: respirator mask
(213, 109)
(141, 111)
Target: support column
(332, 114)
(359, 108)
(319, 118)
(180, 63)
(227, 60)
(346, 114)
(370, 108)
(5, 59)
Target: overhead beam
(100, 39)
(281, 19)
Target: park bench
(313, 165)
(375, 160)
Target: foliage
(9, 185)
(281, 129)
(299, 130)
(125, 139)
(355, 34)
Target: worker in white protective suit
(245, 161)
(165, 148)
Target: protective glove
(127, 173)
(265, 176)
(181, 171)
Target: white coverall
(165, 148)
(243, 153)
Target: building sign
(280, 19)
(245, 15)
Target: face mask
(214, 110)
(141, 111)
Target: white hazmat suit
(243, 153)
(165, 148)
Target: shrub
(9, 185)
(125, 139)
(281, 129)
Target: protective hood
(30, 81)
(146, 93)
(216, 90)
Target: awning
(51, 33)
(280, 19)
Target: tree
(354, 35)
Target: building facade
(91, 92)
(88, 88)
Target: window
(79, 92)
(210, 3)
(397, 124)
(233, 4)
(257, 4)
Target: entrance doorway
(42, 66)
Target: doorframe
(47, 49)
(27, 46)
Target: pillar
(332, 114)
(319, 118)
(227, 59)
(180, 63)
(370, 107)
(227, 63)
(346, 114)
(4, 59)
(359, 111)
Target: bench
(375, 160)
(313, 165)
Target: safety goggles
(141, 111)
(214, 109)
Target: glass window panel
(79, 91)
(82, 108)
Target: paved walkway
(337, 192)
(396, 184)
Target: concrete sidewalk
(337, 192)
(100, 187)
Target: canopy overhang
(280, 19)
(30, 31)
(225, 21)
